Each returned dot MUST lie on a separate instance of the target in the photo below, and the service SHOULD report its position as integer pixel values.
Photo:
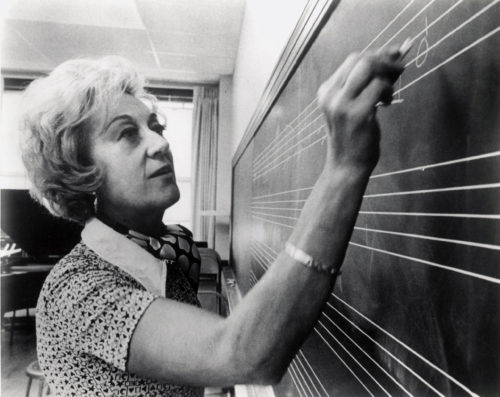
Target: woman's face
(139, 175)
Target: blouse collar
(127, 255)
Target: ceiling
(179, 41)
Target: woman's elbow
(270, 377)
(262, 372)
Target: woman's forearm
(276, 316)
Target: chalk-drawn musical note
(423, 49)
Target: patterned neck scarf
(174, 245)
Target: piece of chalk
(406, 47)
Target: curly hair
(60, 111)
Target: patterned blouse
(89, 307)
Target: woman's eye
(129, 132)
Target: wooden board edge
(310, 23)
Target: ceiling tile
(209, 64)
(193, 16)
(111, 13)
(193, 41)
(60, 42)
(195, 44)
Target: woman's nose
(157, 145)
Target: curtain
(205, 137)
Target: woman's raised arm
(181, 344)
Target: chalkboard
(416, 310)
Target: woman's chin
(172, 195)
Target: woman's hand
(348, 99)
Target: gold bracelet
(307, 260)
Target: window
(179, 134)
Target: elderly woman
(119, 314)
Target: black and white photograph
(250, 198)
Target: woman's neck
(150, 224)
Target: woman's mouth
(165, 170)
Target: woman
(119, 315)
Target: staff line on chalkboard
(423, 31)
(270, 259)
(415, 374)
(313, 372)
(452, 32)
(432, 238)
(298, 152)
(456, 55)
(276, 208)
(431, 214)
(264, 263)
(354, 358)
(288, 126)
(257, 246)
(284, 133)
(284, 192)
(428, 49)
(258, 259)
(429, 263)
(282, 201)
(441, 164)
(258, 255)
(411, 235)
(293, 375)
(386, 333)
(387, 26)
(394, 213)
(437, 190)
(291, 134)
(297, 381)
(322, 138)
(375, 361)
(277, 216)
(269, 221)
(252, 278)
(259, 174)
(270, 252)
(297, 369)
(304, 370)
(408, 23)
(266, 256)
(343, 362)
(268, 165)
(404, 345)
(285, 139)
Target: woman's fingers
(378, 90)
(337, 80)
(369, 68)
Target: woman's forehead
(130, 105)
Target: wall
(12, 172)
(265, 31)
(223, 193)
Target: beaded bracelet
(307, 260)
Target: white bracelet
(307, 260)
